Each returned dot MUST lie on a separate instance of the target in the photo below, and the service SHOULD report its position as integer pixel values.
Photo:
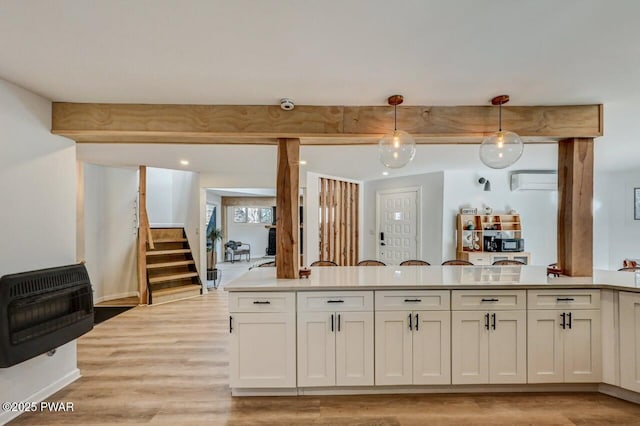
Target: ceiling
(334, 52)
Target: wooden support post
(287, 209)
(575, 211)
(142, 237)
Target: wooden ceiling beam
(316, 125)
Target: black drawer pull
(230, 324)
(261, 302)
(489, 300)
(565, 299)
(413, 300)
(335, 301)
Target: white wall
(431, 187)
(624, 231)
(160, 196)
(110, 232)
(253, 233)
(38, 193)
(538, 210)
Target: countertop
(430, 277)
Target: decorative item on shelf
(503, 148)
(470, 225)
(398, 148)
(468, 211)
(304, 272)
(488, 210)
(513, 211)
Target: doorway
(397, 222)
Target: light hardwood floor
(168, 364)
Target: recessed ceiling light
(385, 173)
(184, 162)
(303, 162)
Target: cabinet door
(393, 348)
(544, 343)
(316, 349)
(263, 350)
(354, 349)
(469, 348)
(582, 347)
(630, 341)
(508, 347)
(432, 348)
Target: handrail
(144, 237)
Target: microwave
(509, 244)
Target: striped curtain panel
(339, 203)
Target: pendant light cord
(395, 118)
(500, 117)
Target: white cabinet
(630, 341)
(564, 346)
(263, 350)
(413, 347)
(488, 347)
(335, 347)
(413, 335)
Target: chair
(324, 263)
(457, 262)
(508, 262)
(237, 248)
(371, 263)
(415, 263)
(630, 269)
(267, 264)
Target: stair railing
(144, 238)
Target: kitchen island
(396, 329)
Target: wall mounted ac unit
(534, 180)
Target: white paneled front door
(397, 225)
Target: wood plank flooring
(168, 364)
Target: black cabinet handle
(564, 320)
(410, 326)
(493, 319)
(338, 322)
(261, 302)
(230, 324)
(486, 321)
(335, 301)
(489, 300)
(413, 300)
(417, 322)
(332, 322)
(569, 324)
(565, 299)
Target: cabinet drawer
(261, 302)
(329, 301)
(416, 300)
(488, 300)
(563, 299)
(479, 258)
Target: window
(253, 215)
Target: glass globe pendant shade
(396, 149)
(501, 149)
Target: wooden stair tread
(173, 290)
(169, 240)
(172, 277)
(161, 252)
(170, 264)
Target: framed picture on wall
(636, 203)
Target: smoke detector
(287, 104)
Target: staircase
(171, 270)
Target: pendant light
(396, 149)
(503, 148)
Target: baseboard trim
(619, 393)
(41, 395)
(264, 392)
